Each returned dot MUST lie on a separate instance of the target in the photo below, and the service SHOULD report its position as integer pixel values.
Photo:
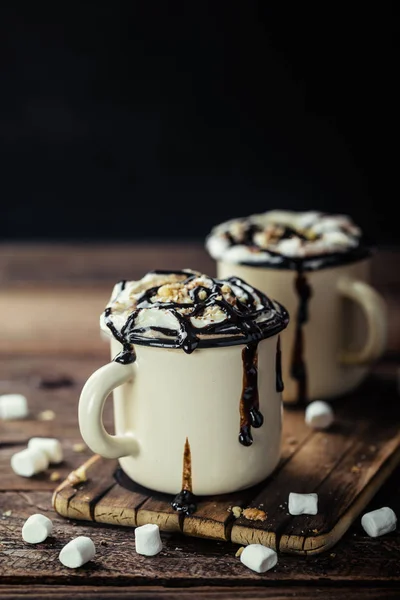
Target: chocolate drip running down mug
(317, 265)
(197, 384)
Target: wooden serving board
(345, 466)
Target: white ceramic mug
(345, 332)
(167, 397)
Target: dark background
(160, 119)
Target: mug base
(129, 484)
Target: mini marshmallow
(148, 540)
(259, 558)
(319, 415)
(13, 406)
(50, 446)
(303, 504)
(36, 529)
(28, 462)
(77, 552)
(378, 522)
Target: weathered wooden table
(50, 300)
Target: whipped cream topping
(281, 237)
(185, 308)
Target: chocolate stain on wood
(49, 382)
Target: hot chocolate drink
(186, 309)
(285, 239)
(328, 256)
(199, 360)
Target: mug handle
(375, 311)
(91, 403)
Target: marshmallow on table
(50, 446)
(13, 406)
(148, 540)
(259, 558)
(28, 462)
(36, 529)
(303, 504)
(77, 552)
(319, 415)
(378, 522)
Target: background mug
(345, 327)
(178, 415)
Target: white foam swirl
(184, 304)
(272, 236)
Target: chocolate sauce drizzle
(278, 366)
(127, 354)
(250, 415)
(298, 369)
(185, 501)
(239, 326)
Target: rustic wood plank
(314, 545)
(23, 504)
(119, 507)
(87, 263)
(160, 513)
(213, 518)
(354, 484)
(54, 322)
(302, 474)
(30, 376)
(78, 495)
(144, 592)
(357, 559)
(186, 561)
(83, 263)
(11, 481)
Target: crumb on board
(239, 551)
(77, 476)
(55, 476)
(332, 554)
(46, 415)
(79, 447)
(315, 530)
(355, 468)
(254, 514)
(237, 511)
(7, 513)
